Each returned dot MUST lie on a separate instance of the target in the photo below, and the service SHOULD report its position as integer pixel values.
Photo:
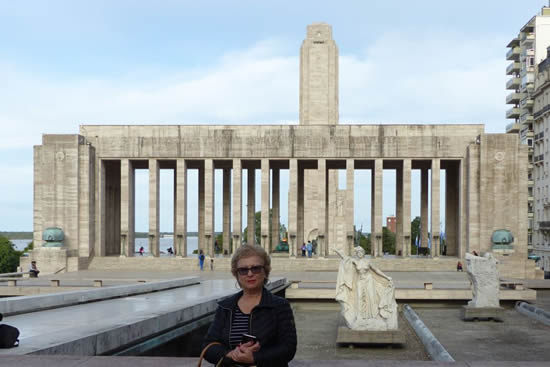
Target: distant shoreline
(27, 235)
(17, 235)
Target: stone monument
(367, 299)
(484, 276)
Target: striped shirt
(239, 326)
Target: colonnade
(270, 177)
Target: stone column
(127, 208)
(435, 207)
(292, 207)
(227, 210)
(376, 200)
(102, 206)
(264, 227)
(300, 209)
(406, 196)
(322, 216)
(175, 244)
(209, 200)
(237, 204)
(251, 207)
(424, 207)
(472, 205)
(452, 196)
(202, 243)
(399, 237)
(350, 206)
(276, 204)
(154, 219)
(38, 199)
(180, 230)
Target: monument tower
(319, 77)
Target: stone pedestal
(49, 260)
(349, 336)
(481, 313)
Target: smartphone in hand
(248, 338)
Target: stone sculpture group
(366, 295)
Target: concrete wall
(503, 197)
(282, 141)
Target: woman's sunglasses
(256, 269)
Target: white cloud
(251, 86)
(421, 79)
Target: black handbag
(9, 335)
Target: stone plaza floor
(517, 338)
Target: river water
(165, 243)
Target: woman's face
(250, 273)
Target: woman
(254, 311)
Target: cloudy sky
(66, 63)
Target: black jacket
(271, 321)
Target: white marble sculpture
(483, 273)
(366, 295)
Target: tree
(364, 242)
(9, 256)
(258, 223)
(388, 241)
(219, 239)
(415, 232)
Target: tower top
(319, 32)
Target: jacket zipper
(250, 323)
(230, 326)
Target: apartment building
(525, 52)
(541, 156)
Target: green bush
(9, 256)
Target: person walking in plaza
(254, 326)
(304, 249)
(459, 266)
(141, 249)
(309, 248)
(201, 259)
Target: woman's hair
(247, 251)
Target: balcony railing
(545, 225)
(525, 36)
(514, 42)
(542, 111)
(512, 128)
(513, 83)
(526, 118)
(513, 68)
(513, 54)
(514, 98)
(512, 113)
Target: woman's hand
(243, 353)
